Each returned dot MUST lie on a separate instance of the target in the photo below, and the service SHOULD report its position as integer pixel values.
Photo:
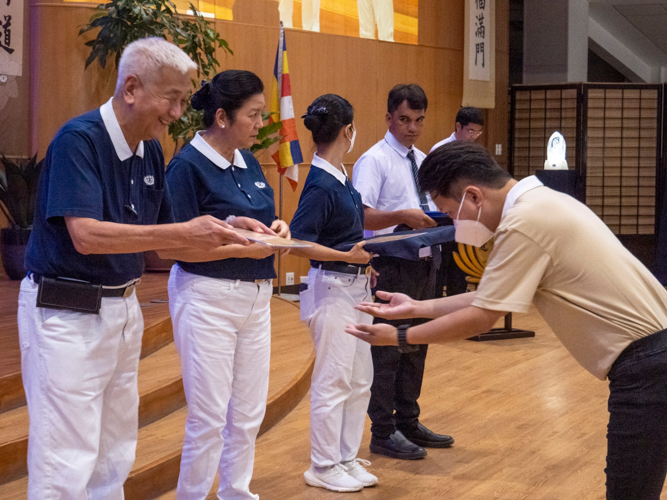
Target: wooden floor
(528, 421)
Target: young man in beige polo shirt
(550, 250)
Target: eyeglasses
(472, 133)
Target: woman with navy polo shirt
(219, 300)
(330, 214)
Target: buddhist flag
(288, 155)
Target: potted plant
(18, 189)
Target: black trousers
(449, 274)
(397, 379)
(637, 430)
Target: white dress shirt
(383, 177)
(449, 139)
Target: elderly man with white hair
(102, 201)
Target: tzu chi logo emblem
(149, 180)
(260, 185)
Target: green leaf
(123, 21)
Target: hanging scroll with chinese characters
(11, 38)
(479, 34)
(479, 54)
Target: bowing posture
(219, 300)
(331, 214)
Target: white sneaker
(355, 468)
(332, 478)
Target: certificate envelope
(274, 241)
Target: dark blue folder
(407, 248)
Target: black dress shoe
(396, 446)
(424, 437)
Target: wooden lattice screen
(614, 137)
(536, 113)
(621, 128)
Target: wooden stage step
(152, 294)
(162, 402)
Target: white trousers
(376, 11)
(80, 378)
(341, 383)
(222, 330)
(310, 14)
(286, 9)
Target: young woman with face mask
(219, 300)
(330, 214)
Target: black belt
(338, 267)
(125, 291)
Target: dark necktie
(423, 203)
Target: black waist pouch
(66, 294)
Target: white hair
(145, 57)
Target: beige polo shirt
(554, 252)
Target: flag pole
(279, 59)
(280, 216)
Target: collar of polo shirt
(328, 167)
(519, 188)
(117, 138)
(396, 146)
(200, 144)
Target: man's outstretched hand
(398, 306)
(380, 334)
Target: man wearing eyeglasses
(469, 126)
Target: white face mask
(470, 232)
(354, 136)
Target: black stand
(507, 332)
(565, 181)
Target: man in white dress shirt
(385, 176)
(469, 126)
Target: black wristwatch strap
(403, 345)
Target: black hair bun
(314, 117)
(201, 97)
(312, 122)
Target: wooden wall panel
(61, 87)
(441, 23)
(363, 71)
(497, 120)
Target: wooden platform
(162, 407)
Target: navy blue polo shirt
(202, 182)
(90, 171)
(330, 210)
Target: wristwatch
(403, 346)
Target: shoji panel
(536, 113)
(621, 130)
